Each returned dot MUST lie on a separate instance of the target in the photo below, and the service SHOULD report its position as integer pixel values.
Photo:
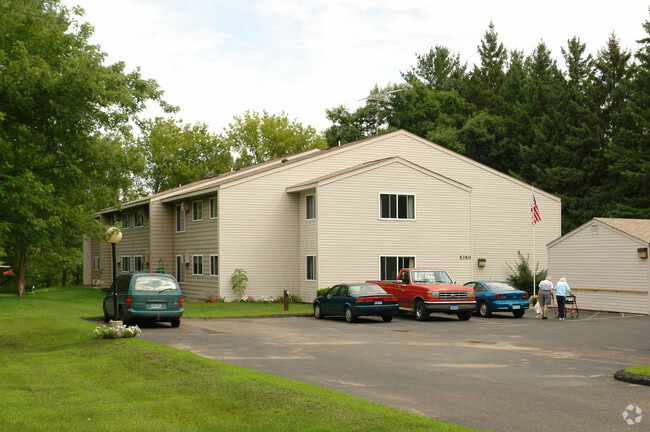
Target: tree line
(580, 131)
(73, 139)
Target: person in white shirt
(545, 297)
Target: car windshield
(499, 286)
(365, 289)
(154, 283)
(430, 276)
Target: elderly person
(545, 298)
(561, 291)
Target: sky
(217, 59)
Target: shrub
(239, 281)
(522, 277)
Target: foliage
(639, 370)
(239, 280)
(64, 116)
(261, 137)
(522, 275)
(117, 332)
(580, 131)
(176, 154)
(322, 291)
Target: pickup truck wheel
(348, 315)
(387, 318)
(318, 311)
(484, 310)
(420, 311)
(464, 315)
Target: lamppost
(113, 236)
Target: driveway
(499, 373)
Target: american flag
(535, 210)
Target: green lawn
(639, 370)
(239, 309)
(57, 376)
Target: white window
(310, 264)
(310, 207)
(396, 206)
(197, 210)
(126, 220)
(139, 218)
(138, 263)
(197, 265)
(180, 272)
(95, 263)
(126, 264)
(214, 209)
(214, 265)
(389, 266)
(180, 218)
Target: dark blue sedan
(354, 300)
(495, 296)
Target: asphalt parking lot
(499, 373)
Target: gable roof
(214, 183)
(639, 228)
(368, 166)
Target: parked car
(145, 297)
(495, 296)
(354, 300)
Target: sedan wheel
(318, 311)
(518, 313)
(421, 312)
(484, 310)
(348, 315)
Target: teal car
(354, 300)
(145, 297)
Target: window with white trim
(138, 263)
(180, 218)
(126, 264)
(310, 267)
(396, 206)
(180, 272)
(214, 265)
(126, 220)
(214, 208)
(310, 207)
(197, 210)
(197, 265)
(389, 266)
(139, 218)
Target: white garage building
(605, 262)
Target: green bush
(522, 277)
(322, 291)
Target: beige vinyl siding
(308, 246)
(135, 242)
(160, 222)
(353, 236)
(200, 237)
(259, 225)
(596, 260)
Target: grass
(56, 376)
(639, 370)
(242, 309)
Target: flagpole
(534, 249)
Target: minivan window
(123, 283)
(154, 283)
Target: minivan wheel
(106, 317)
(175, 323)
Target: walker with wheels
(570, 307)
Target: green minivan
(145, 297)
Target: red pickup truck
(423, 291)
